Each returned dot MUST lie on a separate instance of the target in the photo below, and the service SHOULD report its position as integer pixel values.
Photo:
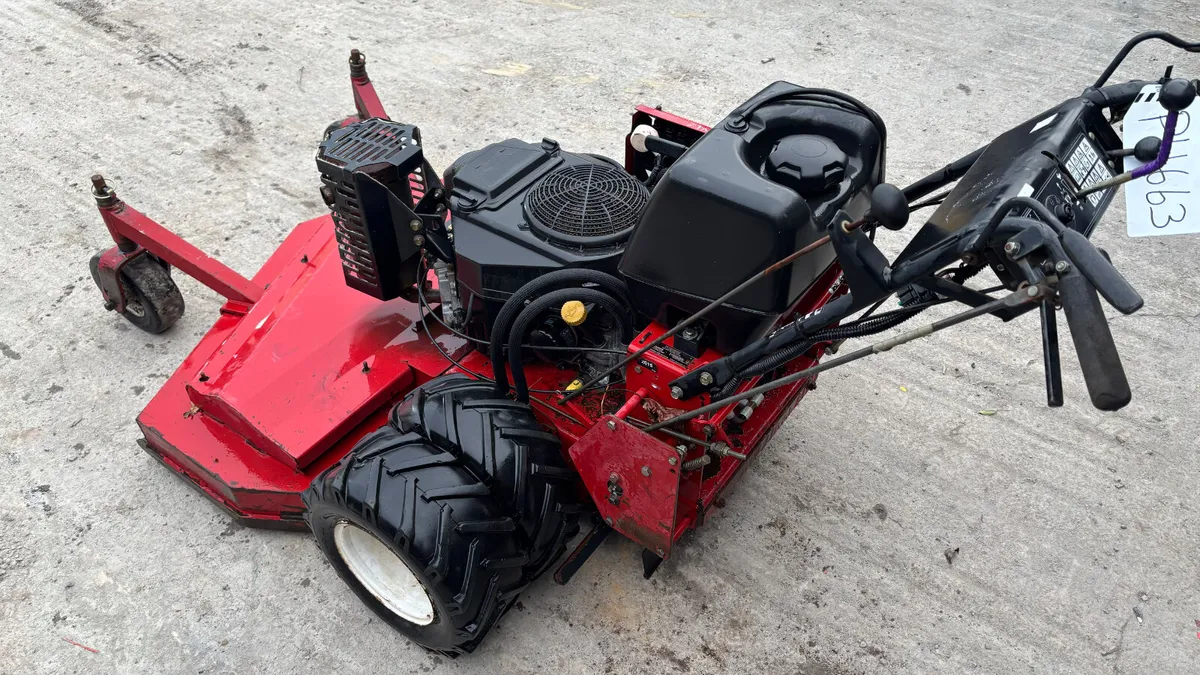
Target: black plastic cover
(717, 217)
(367, 170)
(494, 195)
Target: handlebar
(1098, 359)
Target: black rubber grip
(1100, 271)
(1098, 358)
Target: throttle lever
(1100, 272)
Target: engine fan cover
(586, 205)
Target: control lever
(1174, 96)
(1098, 359)
(1100, 272)
(1050, 356)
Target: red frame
(299, 367)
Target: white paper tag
(1168, 200)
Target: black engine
(712, 211)
(522, 210)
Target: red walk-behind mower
(442, 376)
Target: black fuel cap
(810, 165)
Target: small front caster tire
(153, 302)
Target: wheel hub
(383, 573)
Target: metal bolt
(414, 225)
(699, 462)
(612, 426)
(645, 471)
(418, 240)
(1000, 268)
(637, 369)
(672, 461)
(660, 553)
(1032, 291)
(1062, 266)
(676, 392)
(1012, 248)
(721, 448)
(689, 333)
(608, 521)
(706, 378)
(437, 194)
(708, 430)
(612, 478)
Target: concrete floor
(828, 557)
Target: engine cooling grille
(586, 204)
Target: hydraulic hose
(534, 310)
(516, 302)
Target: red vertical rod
(631, 404)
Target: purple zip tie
(1164, 151)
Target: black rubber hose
(534, 310)
(516, 302)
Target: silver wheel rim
(383, 573)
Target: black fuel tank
(763, 183)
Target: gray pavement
(828, 556)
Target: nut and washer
(1012, 248)
(676, 393)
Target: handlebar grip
(1100, 272)
(1098, 358)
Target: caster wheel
(153, 302)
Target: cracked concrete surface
(828, 556)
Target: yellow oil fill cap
(573, 312)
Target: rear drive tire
(431, 523)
